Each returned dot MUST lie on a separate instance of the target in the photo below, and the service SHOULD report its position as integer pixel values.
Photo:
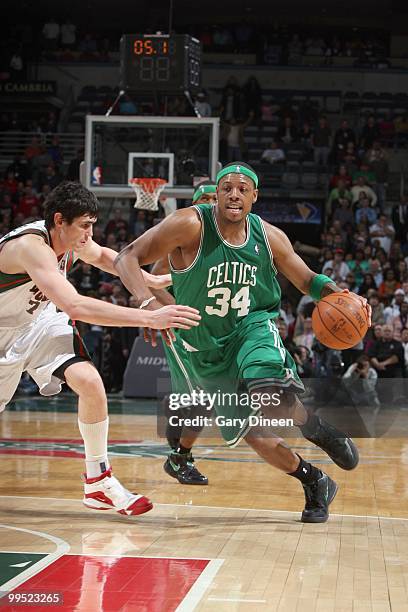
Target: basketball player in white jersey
(37, 304)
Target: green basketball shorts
(249, 364)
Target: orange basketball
(339, 321)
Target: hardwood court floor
(236, 544)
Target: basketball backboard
(176, 149)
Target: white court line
(62, 549)
(365, 516)
(116, 556)
(203, 582)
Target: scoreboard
(162, 63)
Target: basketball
(339, 321)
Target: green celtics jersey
(232, 286)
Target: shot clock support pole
(170, 17)
(118, 97)
(190, 99)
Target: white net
(147, 192)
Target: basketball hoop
(147, 192)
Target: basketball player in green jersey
(224, 260)
(180, 464)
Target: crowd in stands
(363, 247)
(23, 190)
(63, 40)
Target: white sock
(95, 437)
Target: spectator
(68, 35)
(286, 313)
(387, 129)
(360, 381)
(304, 362)
(343, 212)
(338, 193)
(377, 310)
(400, 219)
(359, 266)
(234, 137)
(18, 167)
(34, 215)
(404, 343)
(343, 176)
(222, 38)
(364, 213)
(50, 177)
(230, 108)
(88, 47)
(274, 154)
(369, 133)
(140, 225)
(364, 171)
(383, 232)
(27, 202)
(361, 185)
(252, 98)
(342, 137)
(306, 135)
(33, 150)
(338, 265)
(51, 32)
(321, 141)
(9, 185)
(399, 321)
(386, 355)
(127, 106)
(367, 284)
(202, 106)
(307, 337)
(115, 223)
(55, 151)
(287, 133)
(401, 130)
(6, 204)
(376, 270)
(50, 123)
(283, 332)
(389, 284)
(267, 111)
(377, 160)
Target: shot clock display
(160, 63)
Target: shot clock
(160, 63)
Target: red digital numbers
(147, 47)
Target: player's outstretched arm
(175, 231)
(104, 259)
(40, 263)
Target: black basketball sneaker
(318, 495)
(181, 467)
(335, 443)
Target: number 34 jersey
(20, 300)
(232, 286)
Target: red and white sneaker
(106, 493)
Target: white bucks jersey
(20, 300)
